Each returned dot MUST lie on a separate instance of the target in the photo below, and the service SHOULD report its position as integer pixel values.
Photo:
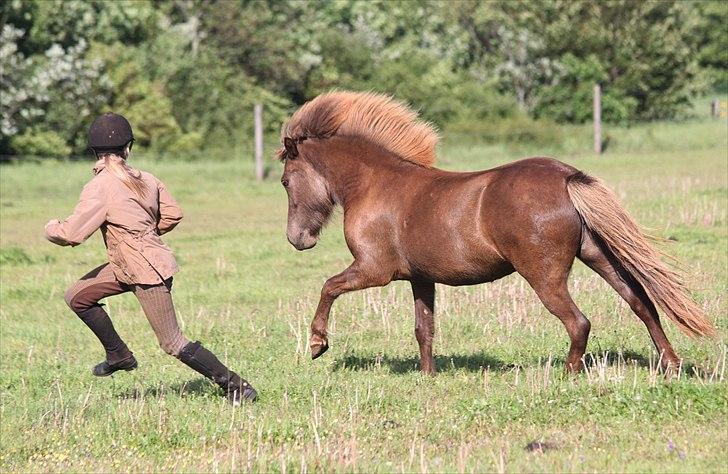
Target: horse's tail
(604, 216)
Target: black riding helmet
(109, 131)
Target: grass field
(247, 294)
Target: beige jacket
(130, 225)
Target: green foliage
(267, 41)
(188, 73)
(711, 39)
(68, 22)
(42, 93)
(420, 78)
(569, 99)
(187, 145)
(216, 100)
(517, 131)
(46, 143)
(643, 54)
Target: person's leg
(198, 358)
(83, 298)
(156, 301)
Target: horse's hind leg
(601, 261)
(554, 294)
(546, 269)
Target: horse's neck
(355, 168)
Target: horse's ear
(291, 148)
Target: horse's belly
(455, 269)
(456, 278)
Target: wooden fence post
(258, 113)
(597, 119)
(715, 108)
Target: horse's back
(456, 227)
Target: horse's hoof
(318, 349)
(574, 368)
(672, 369)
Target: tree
(643, 47)
(41, 92)
(187, 72)
(710, 38)
(48, 74)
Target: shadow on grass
(197, 386)
(592, 359)
(402, 365)
(629, 358)
(480, 361)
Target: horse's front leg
(424, 294)
(356, 277)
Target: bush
(40, 144)
(570, 99)
(187, 146)
(518, 130)
(476, 101)
(216, 101)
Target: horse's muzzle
(303, 241)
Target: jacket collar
(99, 166)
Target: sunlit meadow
(501, 401)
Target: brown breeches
(156, 301)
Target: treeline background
(187, 72)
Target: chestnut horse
(406, 220)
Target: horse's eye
(284, 182)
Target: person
(132, 208)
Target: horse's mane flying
(375, 117)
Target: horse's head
(371, 117)
(309, 200)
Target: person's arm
(87, 217)
(170, 214)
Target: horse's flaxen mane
(375, 117)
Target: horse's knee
(327, 291)
(561, 306)
(577, 326)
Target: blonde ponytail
(131, 177)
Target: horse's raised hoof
(317, 350)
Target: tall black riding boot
(118, 356)
(203, 361)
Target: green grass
(248, 295)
